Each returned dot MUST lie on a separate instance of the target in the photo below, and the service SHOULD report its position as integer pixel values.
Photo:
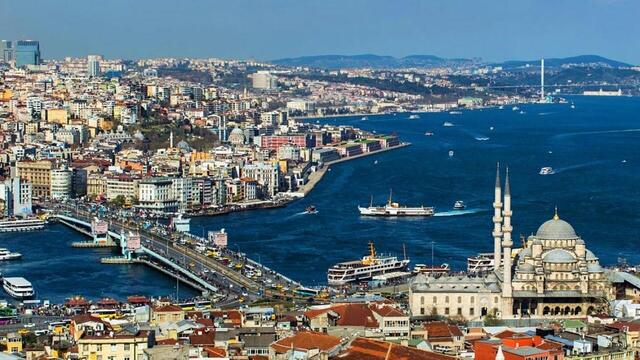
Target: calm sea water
(593, 188)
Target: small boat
(573, 106)
(491, 128)
(414, 116)
(447, 124)
(459, 205)
(429, 133)
(5, 254)
(375, 162)
(310, 210)
(455, 112)
(521, 112)
(450, 153)
(432, 270)
(515, 108)
(547, 170)
(624, 161)
(364, 118)
(501, 107)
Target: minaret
(497, 222)
(506, 245)
(171, 140)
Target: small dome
(524, 253)
(579, 242)
(525, 268)
(556, 229)
(236, 131)
(593, 268)
(183, 145)
(558, 256)
(590, 256)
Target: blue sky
(270, 29)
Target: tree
(491, 319)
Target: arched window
(446, 299)
(459, 299)
(473, 299)
(435, 299)
(421, 300)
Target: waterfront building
(61, 183)
(302, 106)
(16, 194)
(552, 275)
(27, 52)
(267, 175)
(122, 185)
(156, 194)
(38, 173)
(7, 51)
(274, 142)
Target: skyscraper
(7, 50)
(27, 52)
(93, 65)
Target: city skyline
(493, 31)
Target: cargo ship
(394, 209)
(365, 269)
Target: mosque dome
(590, 256)
(236, 136)
(558, 256)
(593, 268)
(556, 229)
(526, 268)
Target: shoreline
(319, 174)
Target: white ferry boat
(432, 270)
(480, 264)
(181, 224)
(394, 209)
(29, 224)
(17, 287)
(547, 170)
(5, 254)
(414, 116)
(365, 269)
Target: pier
(168, 256)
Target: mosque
(552, 275)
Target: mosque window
(446, 299)
(459, 299)
(421, 300)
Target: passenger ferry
(394, 209)
(432, 270)
(365, 269)
(480, 264)
(17, 287)
(29, 224)
(181, 224)
(547, 170)
(5, 254)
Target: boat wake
(545, 113)
(560, 136)
(481, 138)
(575, 167)
(457, 212)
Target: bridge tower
(99, 231)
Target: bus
(303, 291)
(105, 313)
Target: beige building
(113, 346)
(38, 173)
(123, 185)
(552, 275)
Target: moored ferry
(480, 264)
(432, 270)
(394, 209)
(365, 269)
(29, 224)
(17, 287)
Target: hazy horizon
(267, 30)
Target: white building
(157, 194)
(93, 65)
(16, 194)
(263, 80)
(61, 183)
(267, 176)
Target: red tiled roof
(215, 352)
(440, 329)
(369, 349)
(203, 337)
(167, 308)
(167, 342)
(349, 315)
(385, 310)
(306, 340)
(620, 325)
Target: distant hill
(553, 62)
(369, 61)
